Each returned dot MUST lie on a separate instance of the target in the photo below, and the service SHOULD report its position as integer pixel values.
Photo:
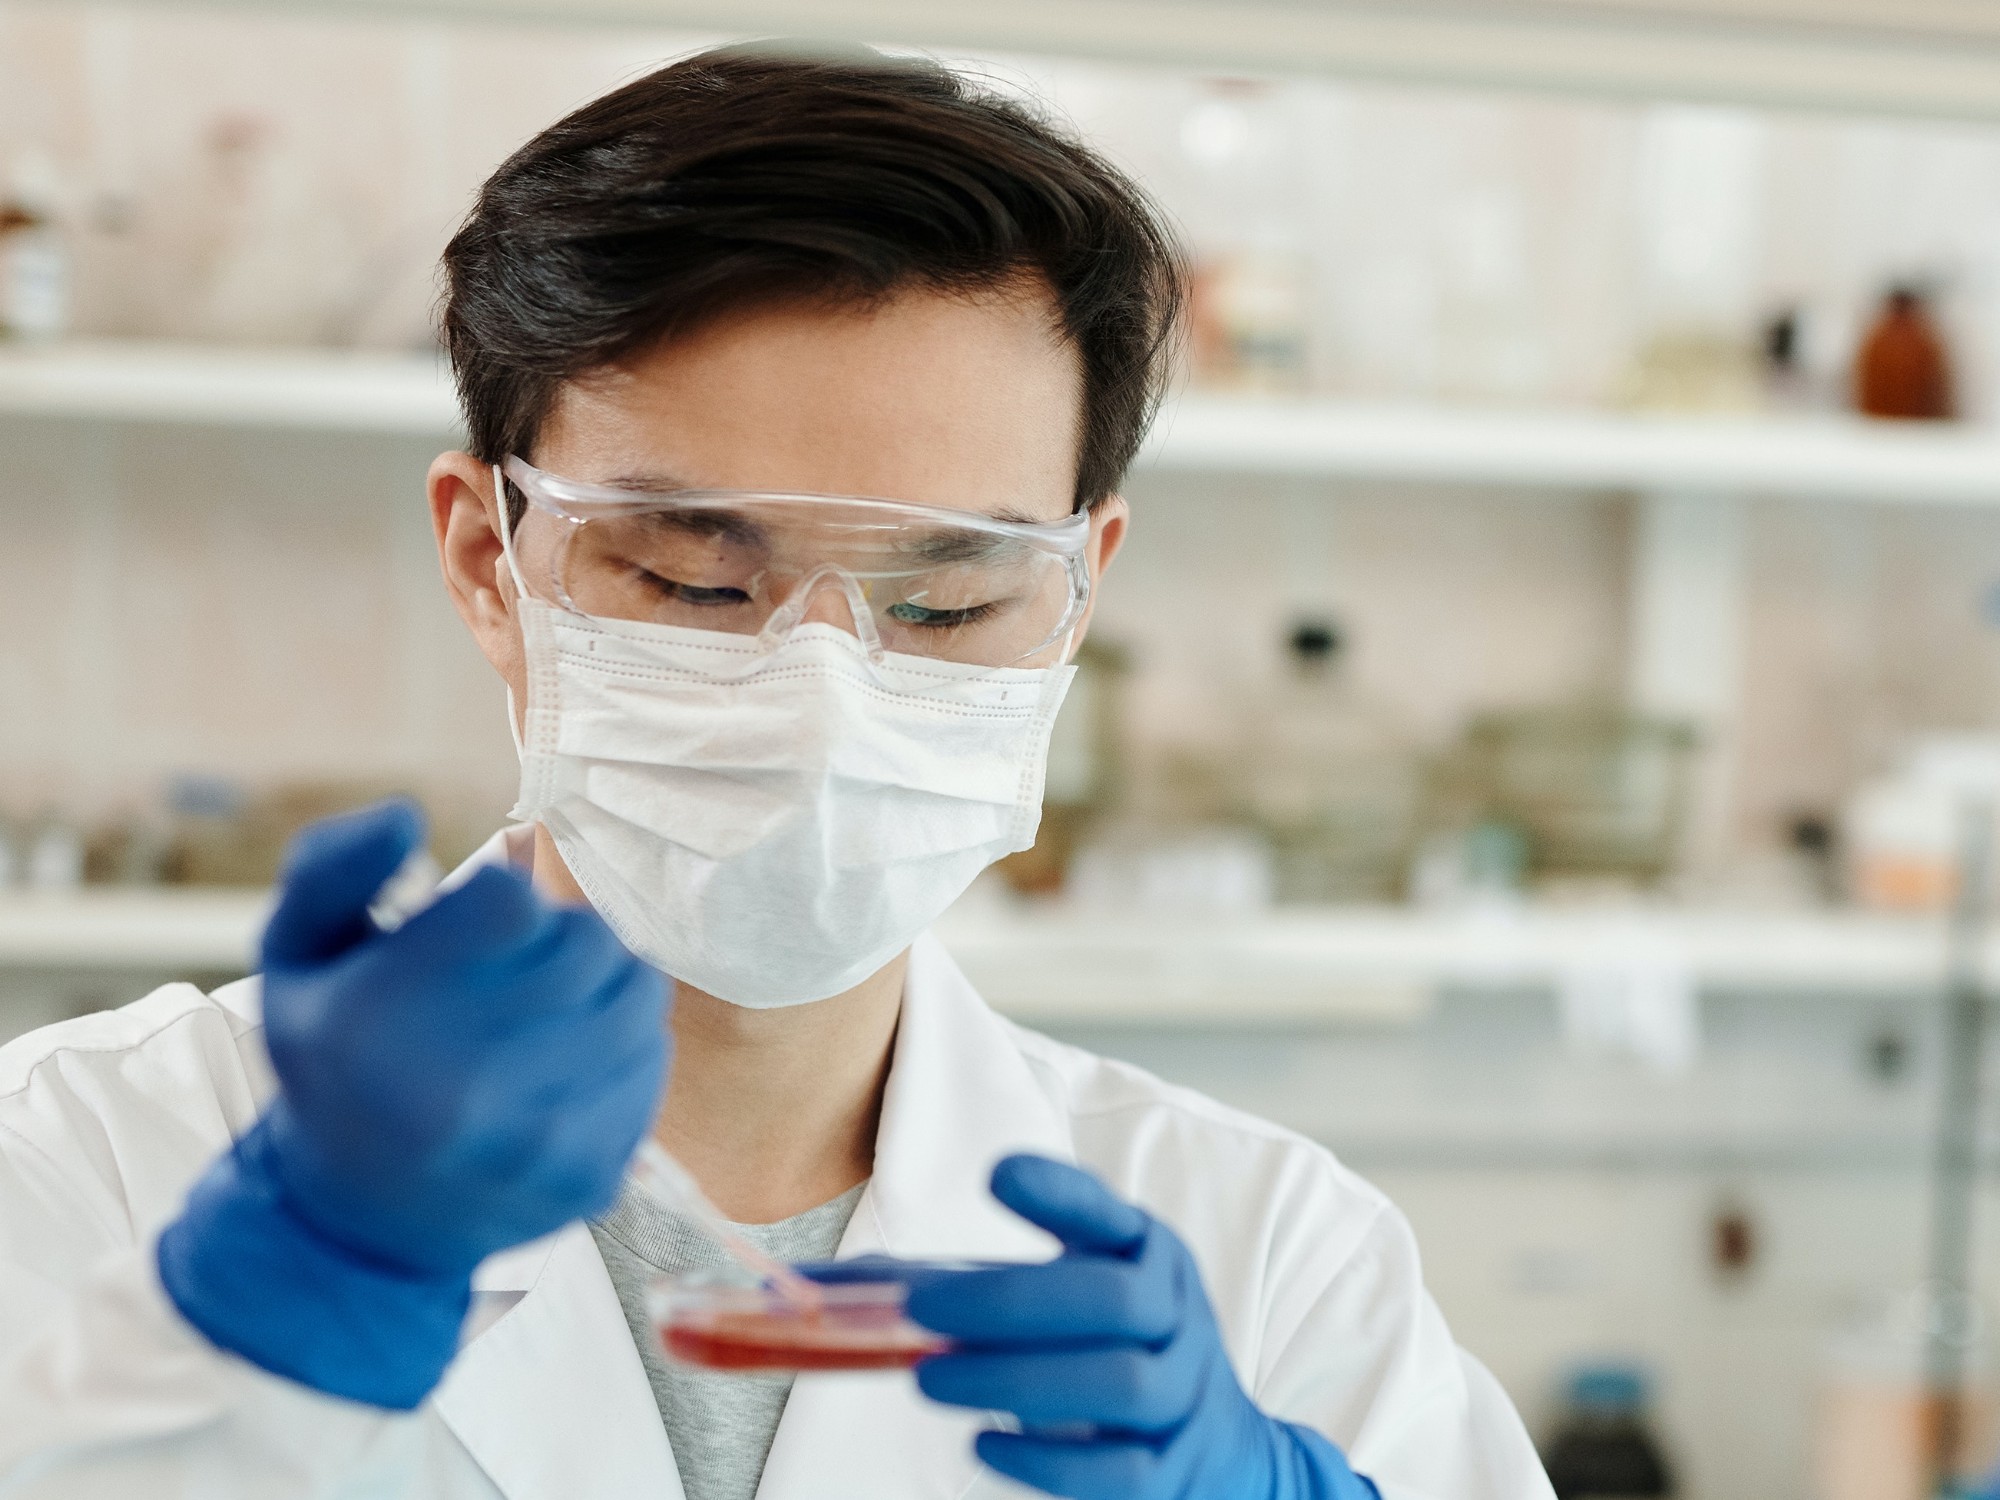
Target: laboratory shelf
(1825, 458)
(193, 929)
(1821, 458)
(327, 389)
(1360, 965)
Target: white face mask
(773, 827)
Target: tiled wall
(287, 179)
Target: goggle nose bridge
(786, 617)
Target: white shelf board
(1817, 458)
(338, 390)
(1388, 963)
(1290, 966)
(1828, 457)
(1923, 57)
(192, 929)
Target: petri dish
(722, 1324)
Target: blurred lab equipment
(1250, 312)
(1639, 1004)
(1213, 870)
(54, 855)
(1699, 195)
(1483, 865)
(1902, 369)
(34, 254)
(1328, 776)
(1596, 792)
(219, 830)
(1902, 830)
(1603, 1446)
(1876, 1423)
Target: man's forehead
(934, 399)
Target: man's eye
(693, 593)
(936, 619)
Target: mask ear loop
(507, 532)
(520, 592)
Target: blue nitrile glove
(1110, 1358)
(474, 1079)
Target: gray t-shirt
(720, 1425)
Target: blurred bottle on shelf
(1902, 369)
(1603, 1446)
(1193, 870)
(131, 847)
(1483, 865)
(1699, 196)
(34, 254)
(1329, 777)
(1491, 344)
(1250, 314)
(54, 859)
(1903, 832)
(1087, 769)
(1804, 367)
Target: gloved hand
(1110, 1357)
(472, 1080)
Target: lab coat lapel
(550, 1398)
(960, 1096)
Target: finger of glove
(1070, 1301)
(1070, 1204)
(556, 1059)
(1082, 1469)
(1123, 1387)
(575, 966)
(333, 870)
(568, 1160)
(511, 954)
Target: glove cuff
(262, 1283)
(1312, 1468)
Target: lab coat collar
(960, 1097)
(550, 1399)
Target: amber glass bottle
(1901, 369)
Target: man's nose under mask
(772, 827)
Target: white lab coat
(106, 1391)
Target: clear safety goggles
(919, 580)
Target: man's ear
(1108, 520)
(465, 517)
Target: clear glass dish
(720, 1323)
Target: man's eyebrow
(669, 484)
(648, 484)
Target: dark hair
(746, 175)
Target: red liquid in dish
(832, 1338)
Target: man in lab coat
(799, 393)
